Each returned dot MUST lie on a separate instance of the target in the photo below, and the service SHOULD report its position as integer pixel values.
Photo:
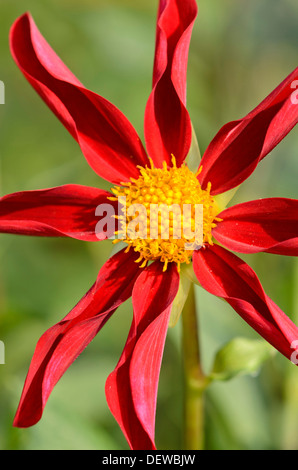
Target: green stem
(290, 386)
(194, 379)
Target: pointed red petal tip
(63, 211)
(131, 389)
(107, 139)
(59, 346)
(225, 275)
(239, 146)
(167, 124)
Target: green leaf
(223, 199)
(180, 298)
(239, 357)
(187, 271)
(194, 155)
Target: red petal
(225, 275)
(60, 345)
(269, 225)
(65, 211)
(238, 147)
(167, 123)
(131, 389)
(107, 139)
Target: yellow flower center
(165, 214)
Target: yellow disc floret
(165, 214)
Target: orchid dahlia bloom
(149, 270)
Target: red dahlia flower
(115, 152)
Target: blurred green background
(240, 51)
